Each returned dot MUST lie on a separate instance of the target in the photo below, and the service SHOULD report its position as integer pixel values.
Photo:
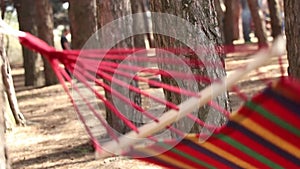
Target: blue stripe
(264, 142)
(209, 153)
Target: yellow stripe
(226, 155)
(266, 134)
(166, 158)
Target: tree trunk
(4, 162)
(292, 27)
(110, 10)
(83, 21)
(236, 17)
(44, 20)
(139, 23)
(275, 15)
(8, 84)
(220, 16)
(259, 23)
(231, 21)
(200, 15)
(26, 15)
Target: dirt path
(55, 138)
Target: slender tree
(202, 15)
(26, 18)
(140, 22)
(292, 27)
(4, 163)
(17, 116)
(236, 17)
(275, 15)
(3, 153)
(8, 83)
(44, 20)
(83, 21)
(231, 20)
(259, 23)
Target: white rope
(8, 30)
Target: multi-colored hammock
(264, 133)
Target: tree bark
(45, 23)
(275, 15)
(10, 90)
(202, 15)
(83, 21)
(139, 23)
(110, 10)
(236, 17)
(4, 162)
(259, 23)
(26, 15)
(220, 16)
(231, 21)
(292, 27)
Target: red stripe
(180, 158)
(277, 109)
(236, 152)
(290, 87)
(199, 155)
(259, 148)
(274, 128)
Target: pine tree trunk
(45, 23)
(275, 15)
(236, 17)
(202, 15)
(220, 16)
(83, 21)
(231, 21)
(139, 23)
(259, 23)
(26, 15)
(110, 10)
(292, 27)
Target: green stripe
(248, 151)
(265, 113)
(187, 156)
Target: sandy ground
(54, 137)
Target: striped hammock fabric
(264, 133)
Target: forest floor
(54, 137)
